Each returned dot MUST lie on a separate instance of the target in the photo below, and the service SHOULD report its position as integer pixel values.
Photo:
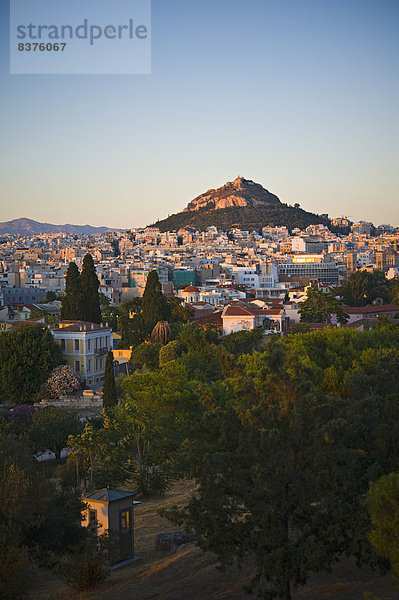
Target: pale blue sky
(300, 95)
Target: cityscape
(199, 300)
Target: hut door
(125, 534)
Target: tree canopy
(26, 358)
(319, 307)
(72, 302)
(50, 429)
(154, 305)
(81, 301)
(91, 310)
(282, 438)
(109, 390)
(362, 288)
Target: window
(93, 517)
(124, 520)
(76, 345)
(77, 366)
(89, 365)
(89, 345)
(62, 342)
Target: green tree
(50, 429)
(26, 358)
(383, 503)
(99, 455)
(50, 296)
(170, 352)
(133, 331)
(158, 412)
(154, 305)
(109, 390)
(36, 517)
(146, 355)
(24, 498)
(362, 288)
(91, 300)
(72, 302)
(319, 307)
(244, 342)
(276, 476)
(110, 314)
(180, 313)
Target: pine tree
(72, 302)
(91, 300)
(109, 390)
(154, 307)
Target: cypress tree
(154, 306)
(109, 390)
(72, 302)
(91, 299)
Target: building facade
(85, 346)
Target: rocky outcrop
(240, 192)
(169, 542)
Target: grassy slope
(190, 574)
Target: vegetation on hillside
(283, 436)
(245, 217)
(283, 441)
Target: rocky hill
(240, 192)
(29, 227)
(240, 203)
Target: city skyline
(301, 99)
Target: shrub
(13, 566)
(87, 566)
(23, 414)
(62, 381)
(170, 352)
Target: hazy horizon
(299, 97)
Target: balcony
(101, 351)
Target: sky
(301, 96)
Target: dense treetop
(81, 301)
(27, 356)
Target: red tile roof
(215, 317)
(359, 310)
(236, 311)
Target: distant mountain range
(29, 227)
(240, 203)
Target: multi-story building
(309, 245)
(309, 265)
(12, 295)
(351, 262)
(84, 346)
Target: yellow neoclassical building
(85, 346)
